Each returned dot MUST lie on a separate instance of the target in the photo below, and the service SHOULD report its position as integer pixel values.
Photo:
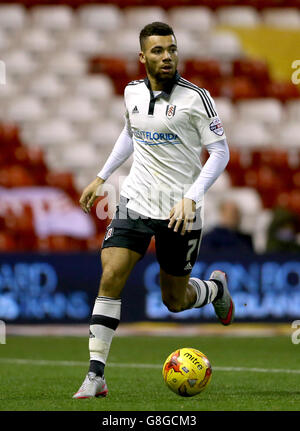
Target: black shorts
(175, 253)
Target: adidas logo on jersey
(188, 266)
(135, 110)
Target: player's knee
(172, 304)
(174, 308)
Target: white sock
(206, 291)
(104, 321)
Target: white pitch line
(114, 364)
(258, 370)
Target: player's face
(160, 57)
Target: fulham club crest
(170, 112)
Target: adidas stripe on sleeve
(204, 115)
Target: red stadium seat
(282, 90)
(117, 69)
(30, 156)
(114, 67)
(290, 199)
(37, 164)
(57, 243)
(5, 155)
(213, 4)
(282, 199)
(294, 201)
(254, 69)
(235, 168)
(9, 141)
(278, 160)
(64, 181)
(21, 156)
(43, 244)
(27, 159)
(2, 223)
(7, 242)
(274, 158)
(209, 69)
(296, 179)
(239, 88)
(213, 86)
(5, 177)
(10, 136)
(10, 221)
(266, 181)
(24, 230)
(25, 166)
(19, 176)
(131, 3)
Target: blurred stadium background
(61, 110)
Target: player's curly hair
(155, 29)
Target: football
(187, 372)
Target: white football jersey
(168, 132)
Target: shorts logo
(170, 111)
(216, 127)
(109, 233)
(188, 266)
(135, 110)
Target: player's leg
(125, 242)
(182, 292)
(117, 264)
(177, 255)
(177, 294)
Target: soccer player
(168, 120)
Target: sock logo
(92, 335)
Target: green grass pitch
(42, 373)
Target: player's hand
(183, 213)
(90, 194)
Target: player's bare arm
(90, 194)
(183, 213)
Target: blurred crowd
(282, 233)
(62, 109)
